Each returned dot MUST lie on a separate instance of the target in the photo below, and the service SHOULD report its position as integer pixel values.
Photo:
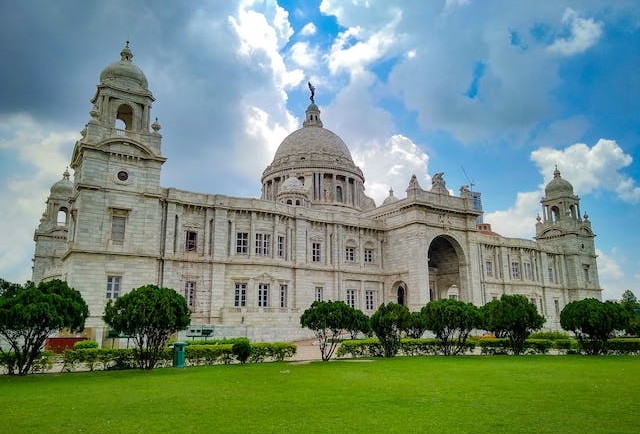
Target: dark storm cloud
(55, 52)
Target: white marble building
(250, 266)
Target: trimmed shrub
(624, 346)
(241, 350)
(81, 345)
(553, 336)
(494, 346)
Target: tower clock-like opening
(125, 114)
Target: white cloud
(590, 168)
(260, 37)
(263, 136)
(519, 220)
(44, 152)
(308, 30)
(390, 165)
(611, 276)
(304, 55)
(584, 33)
(355, 49)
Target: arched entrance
(445, 256)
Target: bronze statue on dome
(313, 92)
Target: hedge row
(408, 347)
(195, 355)
(489, 346)
(43, 363)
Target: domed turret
(63, 188)
(558, 186)
(390, 199)
(124, 74)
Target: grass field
(474, 394)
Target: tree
(416, 326)
(630, 301)
(593, 322)
(451, 321)
(29, 313)
(388, 323)
(328, 320)
(511, 316)
(149, 315)
(359, 323)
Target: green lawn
(472, 394)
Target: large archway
(445, 257)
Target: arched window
(401, 295)
(61, 218)
(555, 214)
(289, 202)
(125, 114)
(338, 193)
(298, 202)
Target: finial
(313, 92)
(390, 191)
(556, 173)
(126, 54)
(66, 173)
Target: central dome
(312, 146)
(317, 141)
(315, 164)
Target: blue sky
(491, 92)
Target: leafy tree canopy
(328, 320)
(512, 316)
(388, 323)
(149, 315)
(29, 313)
(593, 322)
(417, 325)
(451, 321)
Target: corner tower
(561, 229)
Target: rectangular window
(453, 297)
(527, 270)
(283, 296)
(318, 293)
(556, 306)
(550, 274)
(118, 224)
(368, 255)
(263, 295)
(191, 241)
(350, 254)
(113, 287)
(280, 246)
(515, 270)
(351, 298)
(315, 252)
(369, 300)
(242, 243)
(488, 268)
(240, 296)
(263, 244)
(190, 293)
